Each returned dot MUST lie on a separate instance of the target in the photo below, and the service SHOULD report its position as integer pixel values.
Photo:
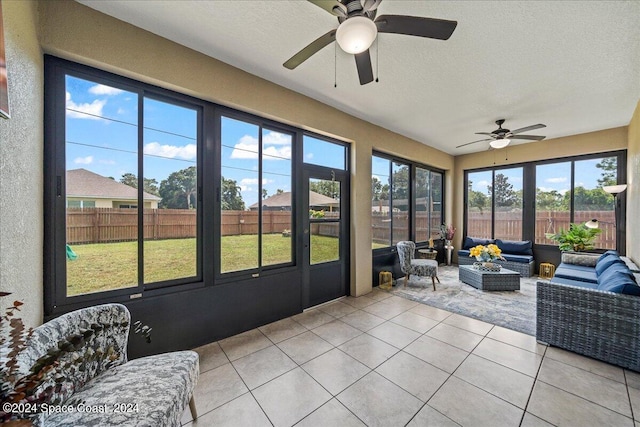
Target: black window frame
(208, 182)
(529, 194)
(413, 165)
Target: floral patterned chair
(420, 267)
(93, 372)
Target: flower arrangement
(487, 253)
(447, 231)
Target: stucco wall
(587, 143)
(21, 179)
(73, 31)
(633, 189)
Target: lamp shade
(356, 34)
(614, 189)
(592, 224)
(499, 143)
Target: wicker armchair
(599, 324)
(419, 267)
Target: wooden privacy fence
(509, 225)
(100, 225)
(381, 226)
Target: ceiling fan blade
(334, 7)
(492, 135)
(416, 26)
(528, 128)
(370, 5)
(311, 49)
(469, 143)
(528, 137)
(365, 71)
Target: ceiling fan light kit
(357, 34)
(499, 143)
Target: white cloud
(309, 156)
(83, 160)
(121, 111)
(249, 181)
(104, 90)
(186, 152)
(548, 189)
(556, 180)
(91, 111)
(276, 146)
(483, 183)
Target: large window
(148, 191)
(406, 201)
(256, 198)
(572, 192)
(563, 191)
(131, 187)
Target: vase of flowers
(486, 256)
(447, 232)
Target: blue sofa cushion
(566, 265)
(576, 274)
(525, 259)
(515, 247)
(619, 282)
(607, 254)
(616, 270)
(463, 252)
(607, 262)
(472, 242)
(565, 281)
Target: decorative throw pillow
(619, 282)
(607, 254)
(521, 247)
(607, 262)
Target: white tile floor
(381, 360)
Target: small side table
(449, 249)
(427, 253)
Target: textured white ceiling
(572, 65)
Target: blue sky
(102, 136)
(554, 176)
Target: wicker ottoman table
(503, 280)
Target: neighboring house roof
(284, 200)
(90, 185)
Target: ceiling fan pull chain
(377, 56)
(335, 65)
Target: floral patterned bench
(93, 384)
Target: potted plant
(578, 238)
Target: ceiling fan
(501, 137)
(359, 27)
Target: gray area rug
(511, 309)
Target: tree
(264, 193)
(231, 197)
(279, 191)
(609, 166)
(178, 191)
(400, 187)
(327, 188)
(477, 199)
(591, 200)
(503, 192)
(150, 184)
(549, 200)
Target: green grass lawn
(107, 266)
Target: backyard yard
(107, 266)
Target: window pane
(324, 213)
(101, 151)
(479, 204)
(380, 212)
(240, 185)
(553, 192)
(170, 191)
(324, 153)
(400, 202)
(590, 201)
(507, 189)
(276, 198)
(435, 215)
(423, 205)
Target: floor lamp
(615, 190)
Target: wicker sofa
(598, 319)
(95, 373)
(518, 254)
